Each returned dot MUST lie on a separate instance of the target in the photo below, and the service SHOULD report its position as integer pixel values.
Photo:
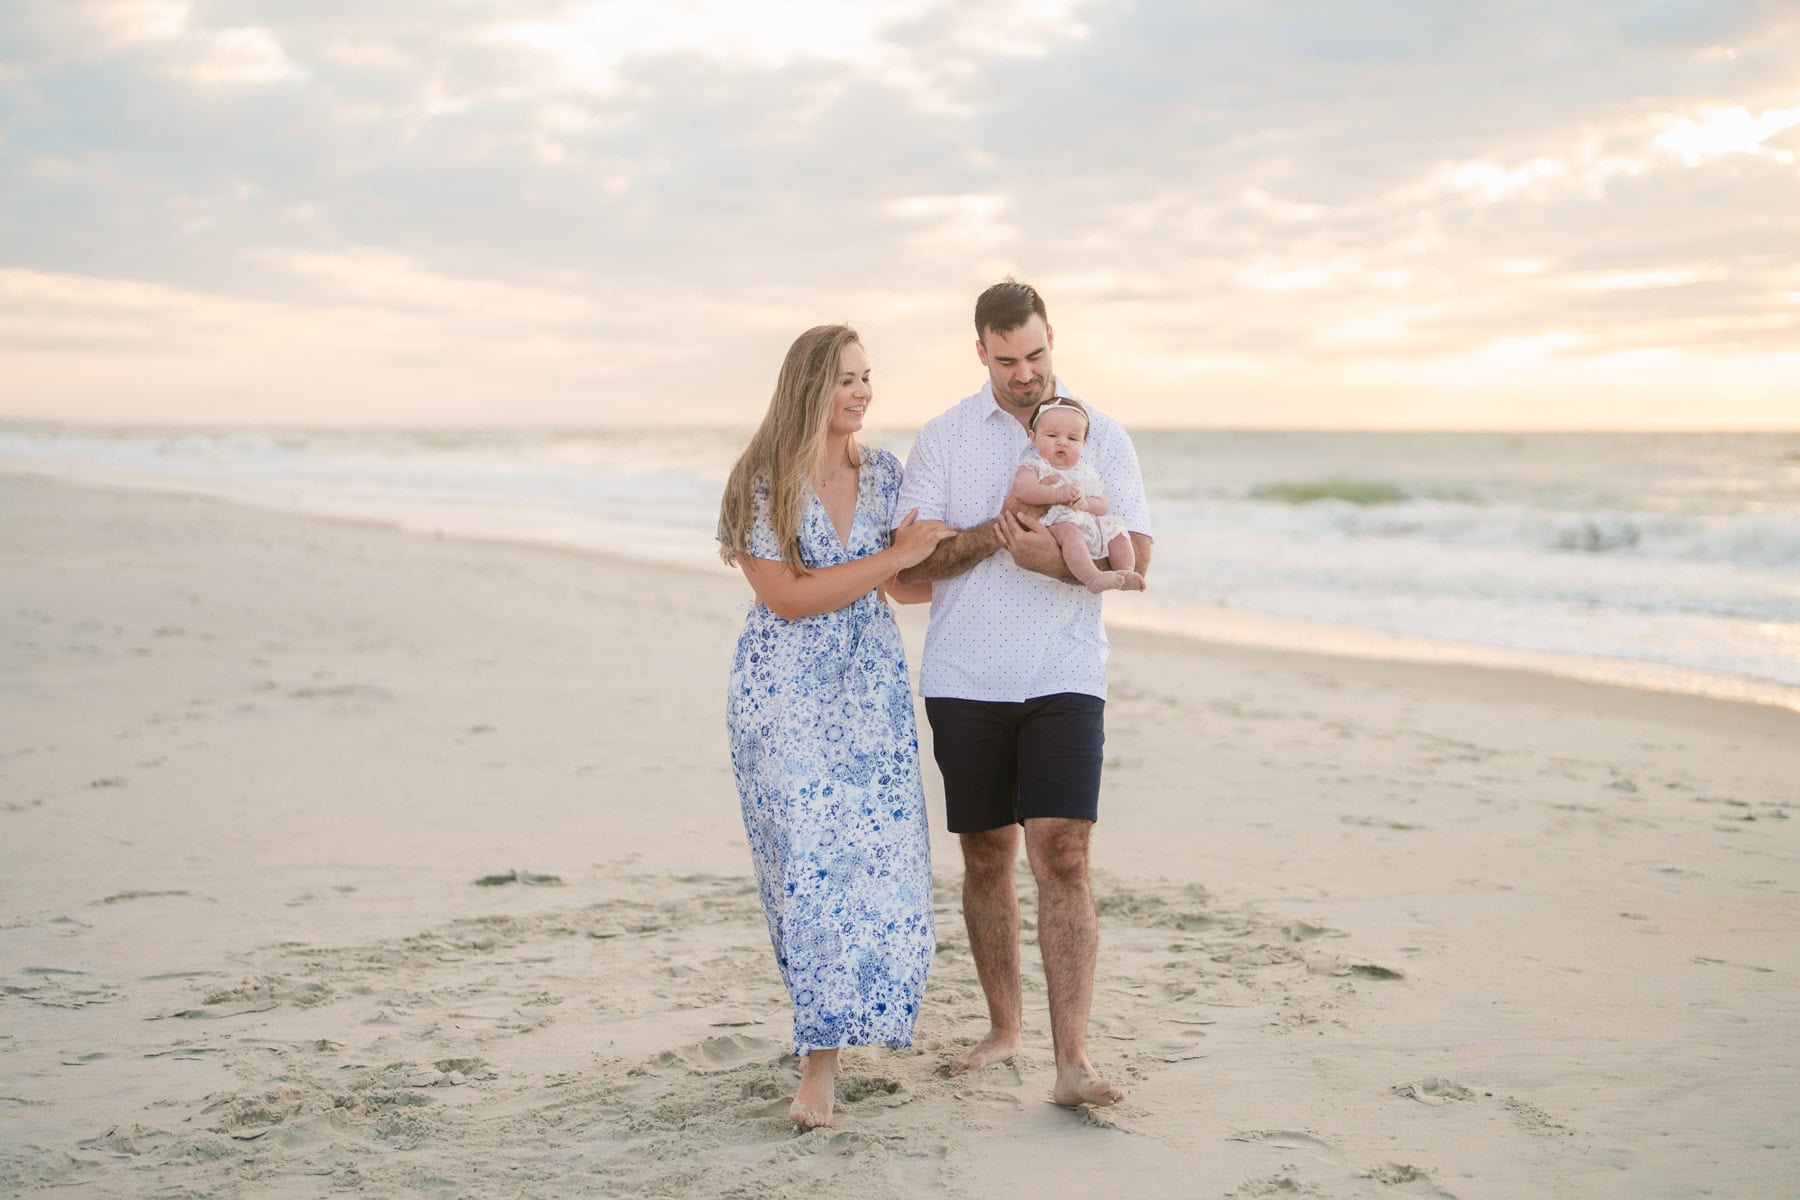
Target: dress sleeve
(887, 491)
(924, 485)
(1031, 458)
(762, 528)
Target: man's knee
(1058, 850)
(989, 855)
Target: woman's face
(853, 394)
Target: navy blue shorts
(1005, 762)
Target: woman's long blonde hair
(787, 451)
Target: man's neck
(1021, 415)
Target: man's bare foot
(811, 1108)
(1078, 1084)
(997, 1047)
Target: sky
(1482, 214)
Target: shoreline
(1242, 629)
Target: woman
(821, 715)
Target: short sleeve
(924, 485)
(886, 469)
(762, 527)
(1117, 465)
(1031, 458)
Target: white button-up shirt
(998, 631)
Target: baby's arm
(1029, 488)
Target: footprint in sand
(61, 989)
(1183, 1048)
(771, 1086)
(1287, 1139)
(1333, 965)
(131, 1141)
(1275, 1185)
(1004, 1073)
(1433, 1089)
(876, 1090)
(717, 1055)
(1533, 1119)
(1416, 1181)
(989, 1097)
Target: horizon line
(181, 423)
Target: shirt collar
(992, 406)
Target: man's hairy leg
(1069, 937)
(991, 912)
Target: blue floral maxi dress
(826, 756)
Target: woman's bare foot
(811, 1108)
(1078, 1084)
(997, 1047)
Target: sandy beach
(336, 860)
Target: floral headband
(1056, 402)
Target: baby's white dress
(1097, 531)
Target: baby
(1052, 473)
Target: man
(1014, 680)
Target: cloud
(1219, 199)
(1734, 130)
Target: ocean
(1660, 560)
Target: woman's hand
(914, 540)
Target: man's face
(1018, 363)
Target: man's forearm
(1140, 547)
(955, 555)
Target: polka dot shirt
(998, 631)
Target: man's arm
(1033, 547)
(1140, 546)
(955, 554)
(1030, 544)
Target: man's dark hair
(1006, 306)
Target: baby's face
(1059, 436)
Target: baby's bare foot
(996, 1047)
(1078, 1084)
(1106, 581)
